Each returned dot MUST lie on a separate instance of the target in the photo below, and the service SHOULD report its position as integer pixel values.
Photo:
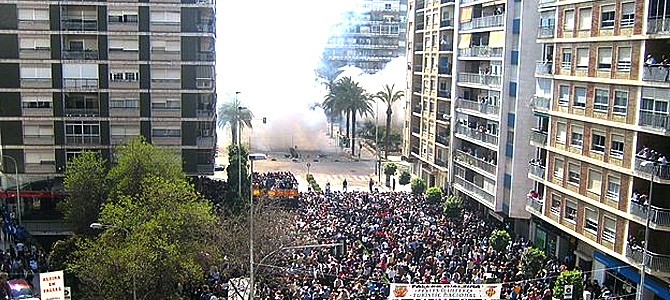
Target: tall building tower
(369, 36)
(601, 133)
(89, 75)
(465, 127)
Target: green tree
(418, 185)
(433, 195)
(234, 203)
(531, 261)
(573, 278)
(86, 182)
(388, 96)
(452, 207)
(499, 240)
(347, 96)
(390, 169)
(405, 178)
(230, 114)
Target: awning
(466, 14)
(632, 274)
(464, 42)
(497, 39)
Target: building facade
(464, 127)
(601, 136)
(89, 75)
(369, 36)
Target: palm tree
(389, 97)
(229, 113)
(355, 101)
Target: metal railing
(490, 80)
(444, 70)
(655, 72)
(480, 51)
(663, 171)
(655, 262)
(446, 23)
(654, 119)
(535, 204)
(82, 140)
(441, 163)
(474, 161)
(70, 24)
(544, 67)
(542, 103)
(658, 25)
(89, 112)
(538, 137)
(206, 56)
(447, 47)
(80, 54)
(442, 140)
(476, 106)
(204, 83)
(536, 170)
(483, 22)
(546, 31)
(207, 27)
(475, 189)
(82, 83)
(444, 94)
(658, 217)
(477, 135)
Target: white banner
(444, 291)
(51, 286)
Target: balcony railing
(474, 161)
(480, 51)
(656, 72)
(418, 68)
(477, 135)
(546, 1)
(82, 112)
(79, 25)
(538, 137)
(444, 94)
(446, 1)
(418, 48)
(541, 103)
(206, 56)
(442, 140)
(446, 47)
(82, 140)
(535, 205)
(204, 83)
(655, 120)
(489, 80)
(415, 150)
(544, 67)
(447, 23)
(442, 116)
(546, 31)
(658, 217)
(207, 27)
(444, 70)
(473, 188)
(477, 106)
(80, 54)
(419, 27)
(662, 171)
(483, 22)
(441, 163)
(536, 170)
(658, 25)
(655, 262)
(416, 130)
(201, 113)
(81, 83)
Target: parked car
(20, 289)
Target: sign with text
(444, 291)
(51, 286)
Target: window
(595, 181)
(582, 57)
(35, 43)
(616, 149)
(124, 103)
(585, 18)
(124, 76)
(623, 59)
(577, 136)
(555, 205)
(601, 100)
(37, 131)
(598, 141)
(607, 16)
(387, 6)
(36, 101)
(165, 17)
(166, 45)
(563, 95)
(613, 187)
(558, 169)
(123, 44)
(605, 58)
(124, 130)
(166, 104)
(570, 211)
(40, 157)
(609, 229)
(580, 97)
(35, 73)
(566, 58)
(33, 14)
(120, 16)
(591, 220)
(569, 19)
(561, 134)
(165, 74)
(620, 102)
(628, 14)
(166, 132)
(573, 174)
(82, 132)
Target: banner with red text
(444, 291)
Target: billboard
(444, 291)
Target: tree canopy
(229, 113)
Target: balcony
(416, 130)
(80, 83)
(206, 26)
(442, 139)
(206, 56)
(465, 158)
(477, 106)
(656, 72)
(663, 171)
(415, 151)
(538, 138)
(82, 140)
(205, 141)
(48, 228)
(444, 70)
(655, 262)
(440, 163)
(544, 67)
(447, 23)
(200, 113)
(417, 109)
(79, 25)
(480, 79)
(446, 1)
(442, 116)
(42, 167)
(480, 51)
(474, 189)
(81, 54)
(447, 47)
(483, 22)
(419, 27)
(654, 120)
(420, 5)
(542, 2)
(81, 112)
(444, 94)
(418, 48)
(535, 205)
(658, 217)
(658, 25)
(479, 135)
(541, 103)
(545, 31)
(536, 170)
(204, 83)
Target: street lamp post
(252, 158)
(18, 198)
(239, 153)
(643, 270)
(99, 226)
(377, 162)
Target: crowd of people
(659, 159)
(657, 69)
(275, 181)
(20, 258)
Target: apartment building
(464, 128)
(369, 36)
(601, 136)
(89, 75)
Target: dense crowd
(275, 181)
(20, 258)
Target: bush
(452, 207)
(312, 182)
(531, 261)
(418, 186)
(404, 178)
(499, 240)
(574, 278)
(390, 169)
(433, 195)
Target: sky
(268, 50)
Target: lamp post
(252, 158)
(377, 162)
(239, 153)
(643, 270)
(18, 198)
(99, 226)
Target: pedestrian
(328, 187)
(344, 185)
(5, 293)
(371, 184)
(394, 184)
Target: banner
(51, 286)
(444, 291)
